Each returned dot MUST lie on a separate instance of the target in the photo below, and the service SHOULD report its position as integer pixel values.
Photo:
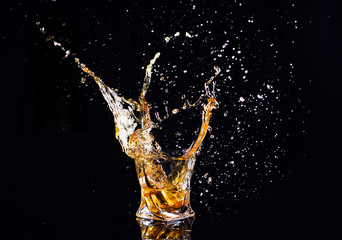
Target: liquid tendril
(164, 179)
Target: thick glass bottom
(145, 213)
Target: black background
(64, 176)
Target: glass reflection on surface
(180, 229)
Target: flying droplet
(175, 111)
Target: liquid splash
(164, 179)
(246, 155)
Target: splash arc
(164, 179)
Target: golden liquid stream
(161, 191)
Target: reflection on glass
(179, 229)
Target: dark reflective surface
(64, 176)
(61, 188)
(179, 229)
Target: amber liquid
(164, 179)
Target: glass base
(145, 213)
